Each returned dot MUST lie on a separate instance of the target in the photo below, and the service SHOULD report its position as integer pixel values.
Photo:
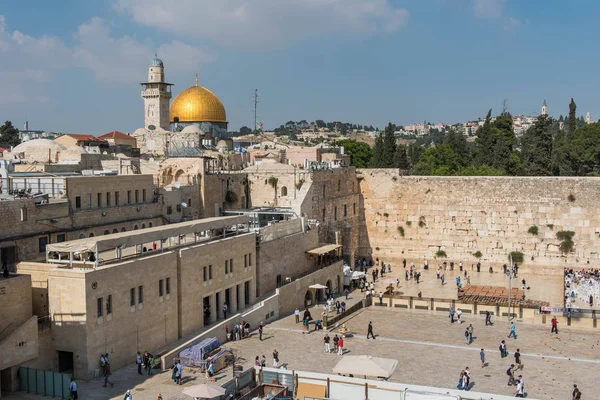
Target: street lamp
(510, 275)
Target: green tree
(414, 152)
(458, 143)
(536, 151)
(401, 157)
(583, 150)
(377, 160)
(360, 153)
(439, 160)
(244, 130)
(320, 123)
(572, 116)
(389, 147)
(9, 135)
(484, 142)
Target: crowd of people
(582, 287)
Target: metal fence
(329, 321)
(245, 379)
(46, 383)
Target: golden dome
(197, 104)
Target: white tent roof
(132, 238)
(366, 365)
(358, 275)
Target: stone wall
(15, 296)
(463, 215)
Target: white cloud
(488, 8)
(28, 62)
(259, 23)
(511, 24)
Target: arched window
(81, 236)
(135, 227)
(91, 235)
(149, 224)
(123, 229)
(107, 232)
(284, 191)
(115, 230)
(143, 226)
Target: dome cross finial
(196, 79)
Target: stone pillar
(220, 303)
(241, 296)
(213, 308)
(233, 307)
(252, 292)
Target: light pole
(510, 272)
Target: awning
(366, 365)
(324, 249)
(137, 237)
(358, 275)
(317, 286)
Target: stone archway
(329, 284)
(338, 287)
(179, 176)
(308, 299)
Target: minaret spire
(196, 79)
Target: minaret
(544, 108)
(588, 118)
(156, 95)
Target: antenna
(255, 109)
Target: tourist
(397, 282)
(470, 330)
(256, 362)
(128, 395)
(151, 364)
(102, 364)
(337, 306)
(502, 348)
(519, 391)
(460, 266)
(380, 298)
(512, 333)
(263, 361)
(404, 263)
(488, 318)
(468, 374)
(326, 340)
(341, 346)
(370, 330)
(468, 278)
(417, 276)
(138, 361)
(467, 341)
(458, 314)
(461, 384)
(260, 329)
(522, 382)
(517, 356)
(211, 371)
(225, 308)
(478, 266)
(159, 397)
(73, 389)
(346, 293)
(390, 267)
(576, 393)
(275, 358)
(554, 326)
(246, 329)
(146, 359)
(406, 275)
(420, 294)
(336, 340)
(451, 314)
(442, 279)
(438, 272)
(297, 314)
(343, 304)
(511, 374)
(457, 281)
(179, 373)
(482, 358)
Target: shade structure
(366, 366)
(358, 275)
(317, 286)
(204, 391)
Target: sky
(75, 66)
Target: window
(354, 209)
(231, 265)
(335, 213)
(249, 259)
(169, 210)
(89, 199)
(129, 197)
(204, 271)
(143, 195)
(107, 199)
(178, 207)
(116, 198)
(226, 267)
(323, 190)
(109, 304)
(140, 294)
(323, 216)
(245, 261)
(132, 297)
(210, 272)
(168, 285)
(137, 196)
(284, 191)
(345, 211)
(160, 288)
(189, 203)
(42, 242)
(339, 184)
(78, 202)
(149, 224)
(99, 304)
(99, 200)
(23, 214)
(61, 237)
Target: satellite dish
(151, 127)
(184, 205)
(177, 185)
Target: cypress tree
(376, 161)
(537, 146)
(401, 157)
(9, 135)
(389, 147)
(572, 117)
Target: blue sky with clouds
(74, 65)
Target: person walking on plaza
(502, 348)
(370, 330)
(576, 394)
(554, 326)
(519, 391)
(73, 389)
(470, 330)
(128, 395)
(275, 358)
(138, 361)
(346, 293)
(451, 314)
(488, 318)
(513, 332)
(151, 364)
(336, 340)
(178, 373)
(458, 314)
(442, 279)
(260, 330)
(467, 336)
(517, 356)
(380, 298)
(326, 340)
(297, 315)
(406, 275)
(438, 272)
(511, 374)
(341, 346)
(482, 358)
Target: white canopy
(366, 365)
(137, 237)
(317, 286)
(358, 275)
(205, 391)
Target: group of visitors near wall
(582, 287)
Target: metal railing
(44, 323)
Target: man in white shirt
(297, 315)
(519, 392)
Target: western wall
(414, 217)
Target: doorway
(247, 293)
(218, 300)
(8, 254)
(206, 310)
(65, 361)
(228, 298)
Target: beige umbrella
(317, 286)
(204, 391)
(366, 366)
